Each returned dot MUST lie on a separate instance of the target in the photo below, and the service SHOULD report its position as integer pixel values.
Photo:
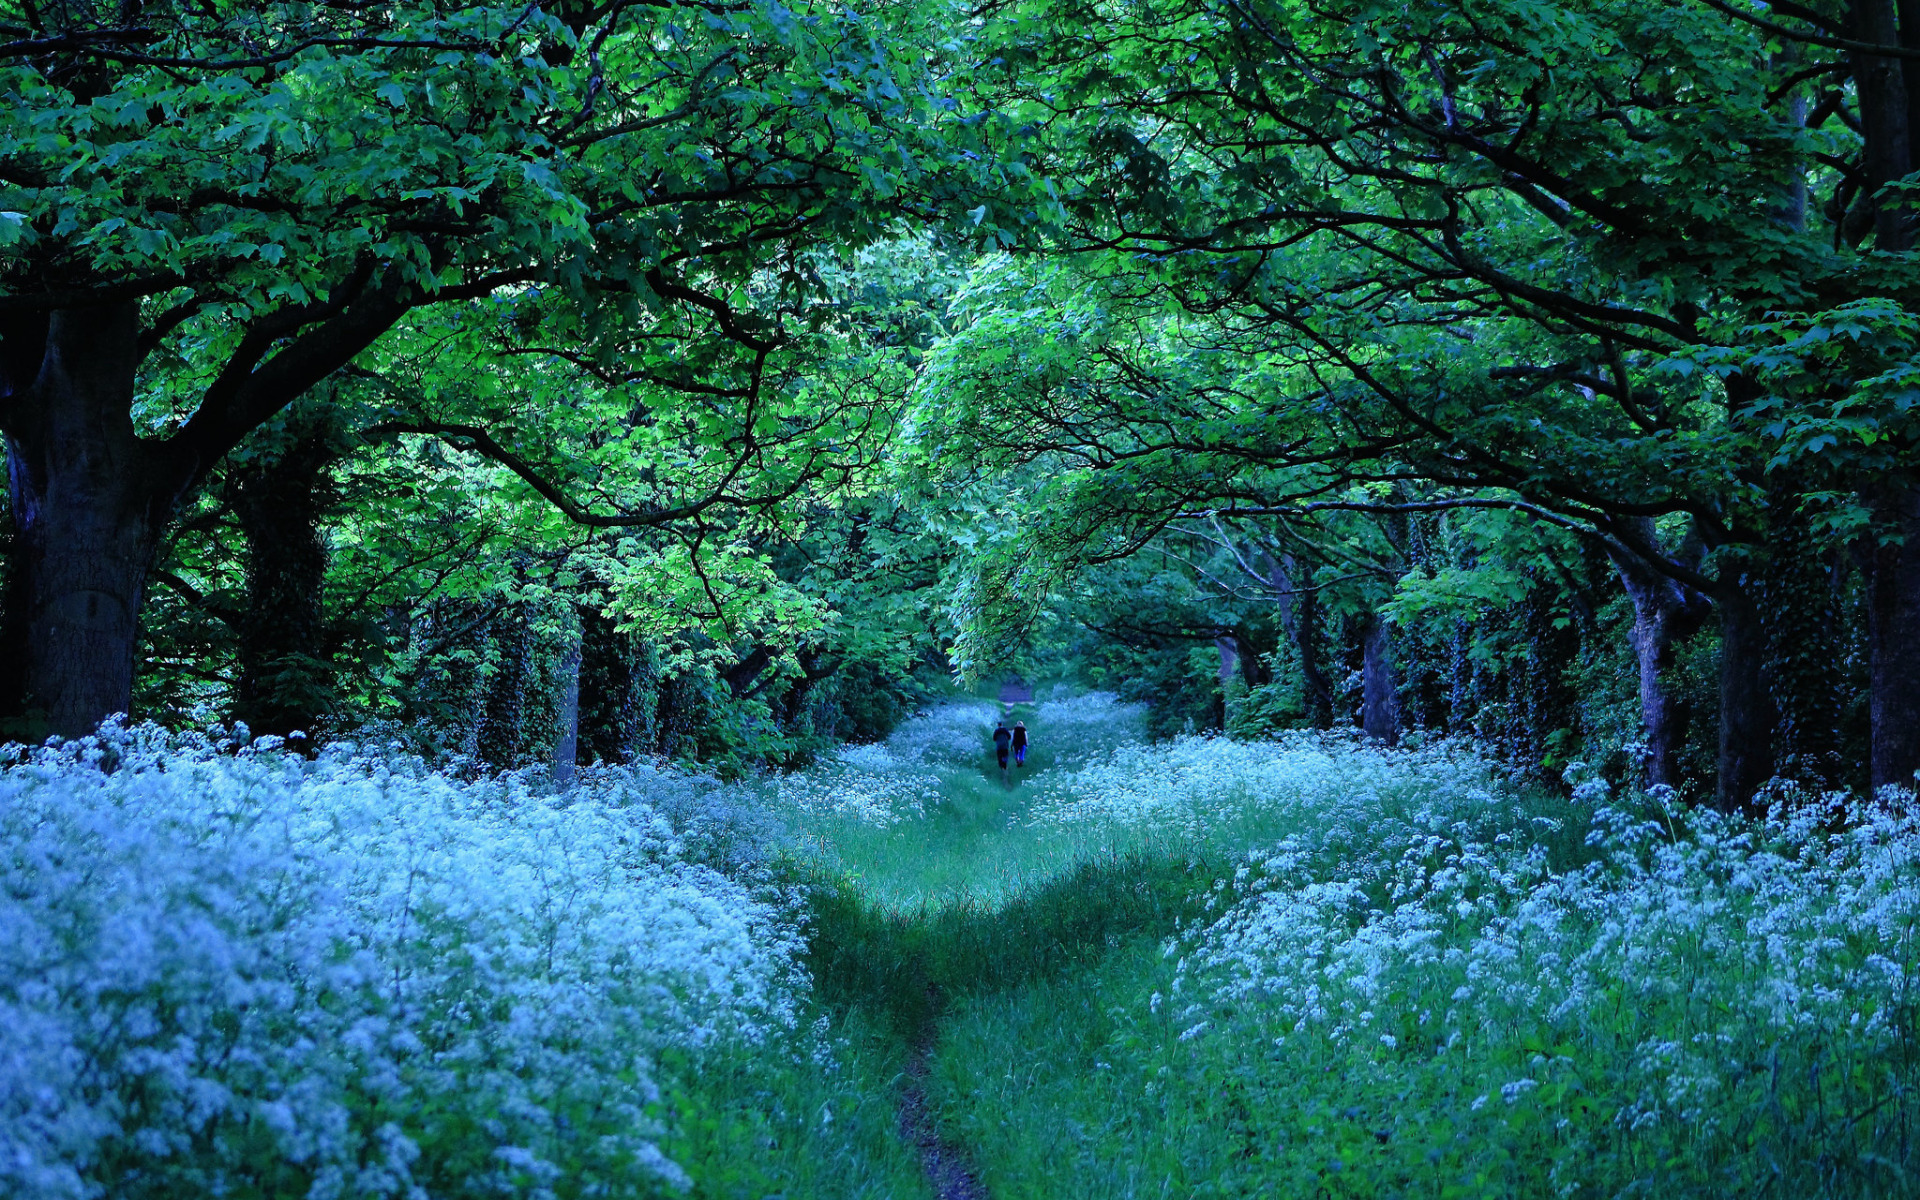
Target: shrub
(226, 970)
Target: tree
(1545, 250)
(208, 209)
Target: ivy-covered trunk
(610, 701)
(90, 499)
(504, 721)
(285, 681)
(449, 646)
(1799, 614)
(1379, 690)
(1746, 707)
(1300, 618)
(1893, 608)
(566, 744)
(1664, 614)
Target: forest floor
(1292, 966)
(1212, 969)
(962, 900)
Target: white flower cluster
(952, 732)
(866, 787)
(240, 971)
(1193, 786)
(896, 780)
(893, 780)
(1085, 728)
(1420, 915)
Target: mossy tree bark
(286, 680)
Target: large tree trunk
(90, 499)
(1799, 615)
(1746, 708)
(504, 722)
(1379, 691)
(13, 628)
(1238, 657)
(1893, 615)
(1300, 618)
(1229, 659)
(1664, 614)
(1889, 93)
(1887, 111)
(566, 746)
(1307, 643)
(1230, 696)
(285, 681)
(448, 645)
(610, 700)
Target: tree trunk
(90, 500)
(1746, 708)
(566, 746)
(1909, 21)
(1307, 644)
(610, 705)
(505, 716)
(285, 682)
(13, 628)
(448, 645)
(1798, 613)
(1664, 614)
(1379, 692)
(1229, 659)
(1237, 657)
(1886, 114)
(1300, 618)
(1893, 632)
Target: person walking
(1019, 743)
(1002, 741)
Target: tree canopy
(1412, 361)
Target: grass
(976, 845)
(1308, 968)
(1299, 967)
(1420, 987)
(757, 1121)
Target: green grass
(752, 1122)
(1036, 958)
(976, 847)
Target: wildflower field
(1197, 968)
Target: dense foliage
(505, 502)
(1505, 368)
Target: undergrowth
(1307, 967)
(1296, 967)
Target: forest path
(971, 897)
(1015, 690)
(947, 1163)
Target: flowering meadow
(229, 971)
(1302, 966)
(926, 817)
(1405, 977)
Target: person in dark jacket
(1002, 740)
(1019, 743)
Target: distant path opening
(1016, 691)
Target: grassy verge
(1314, 970)
(750, 1122)
(1670, 1007)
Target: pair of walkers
(1014, 739)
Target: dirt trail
(948, 1166)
